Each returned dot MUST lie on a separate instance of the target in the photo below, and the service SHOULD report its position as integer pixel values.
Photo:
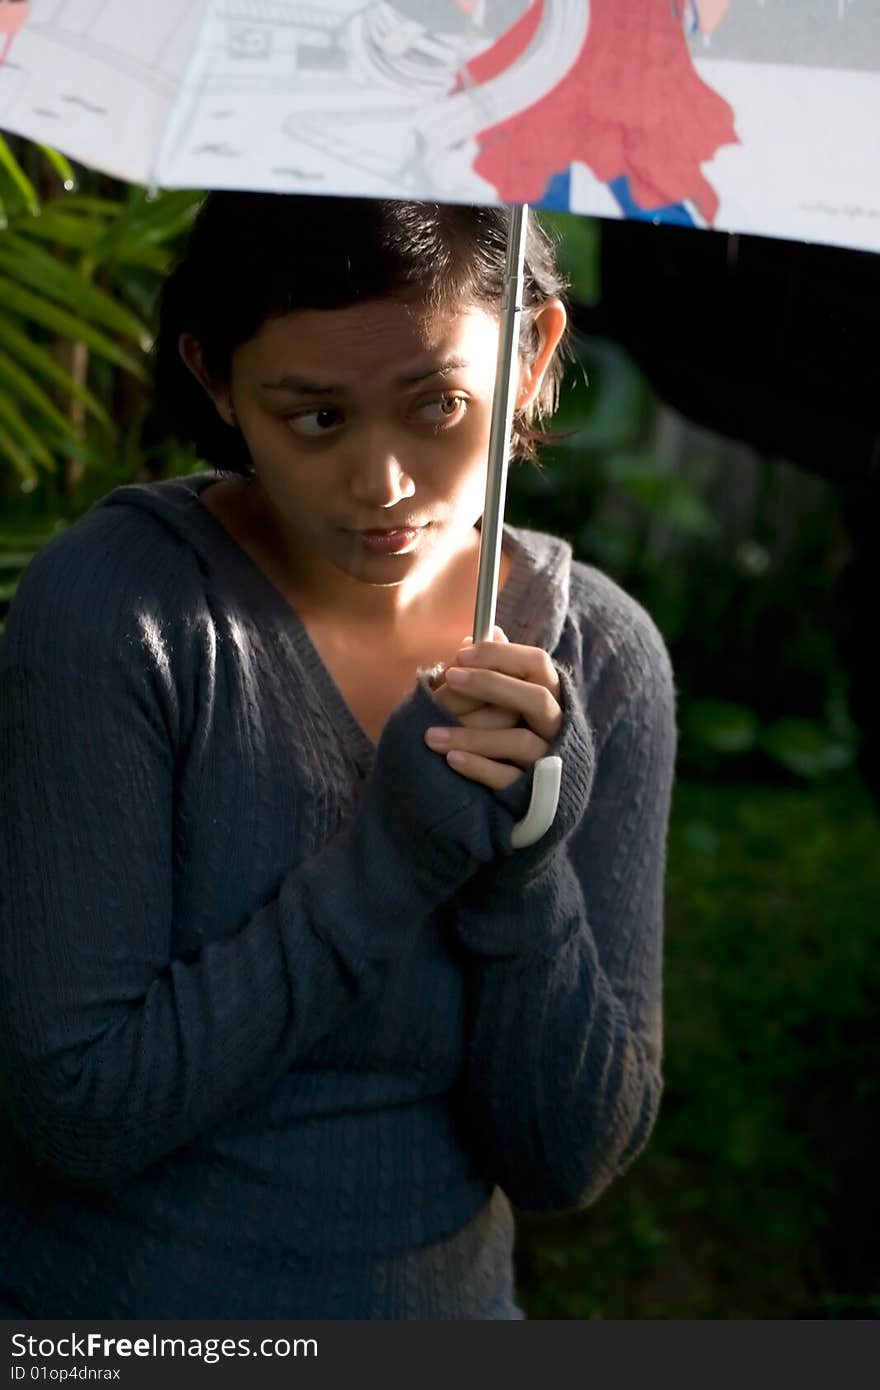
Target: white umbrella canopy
(752, 116)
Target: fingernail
(456, 677)
(467, 655)
(440, 735)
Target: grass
(757, 1195)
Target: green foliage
(805, 747)
(19, 543)
(720, 726)
(577, 240)
(714, 731)
(78, 276)
(756, 1196)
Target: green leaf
(41, 361)
(31, 265)
(28, 390)
(19, 177)
(41, 311)
(154, 258)
(605, 543)
(805, 747)
(720, 725)
(146, 221)
(61, 164)
(11, 450)
(15, 559)
(608, 410)
(57, 226)
(22, 432)
(31, 541)
(663, 495)
(85, 205)
(577, 252)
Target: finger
(537, 706)
(497, 776)
(514, 659)
(521, 747)
(456, 704)
(475, 714)
(490, 717)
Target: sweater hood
(531, 608)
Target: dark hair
(254, 256)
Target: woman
(286, 1025)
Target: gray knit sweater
(285, 1024)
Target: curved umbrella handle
(546, 781)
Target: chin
(365, 568)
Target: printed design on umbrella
(393, 102)
(374, 79)
(13, 14)
(631, 107)
(520, 93)
(706, 15)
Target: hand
(474, 714)
(518, 719)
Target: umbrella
(707, 113)
(752, 116)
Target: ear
(550, 321)
(190, 350)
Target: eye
(444, 411)
(313, 423)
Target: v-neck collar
(200, 527)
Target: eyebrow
(304, 387)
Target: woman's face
(375, 416)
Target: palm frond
(24, 434)
(10, 165)
(40, 270)
(43, 364)
(38, 309)
(78, 279)
(14, 376)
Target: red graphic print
(13, 14)
(631, 104)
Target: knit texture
(286, 1026)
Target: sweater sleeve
(562, 1080)
(114, 1051)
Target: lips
(389, 542)
(388, 530)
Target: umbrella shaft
(503, 405)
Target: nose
(377, 477)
